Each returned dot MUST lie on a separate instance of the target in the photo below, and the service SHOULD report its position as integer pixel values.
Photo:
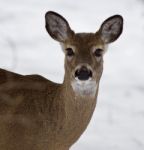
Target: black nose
(83, 73)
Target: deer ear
(57, 26)
(111, 28)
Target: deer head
(83, 51)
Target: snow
(26, 48)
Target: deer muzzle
(83, 73)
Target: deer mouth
(84, 83)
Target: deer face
(84, 62)
(83, 51)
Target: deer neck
(78, 110)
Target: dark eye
(69, 52)
(98, 52)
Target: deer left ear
(111, 29)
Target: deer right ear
(111, 28)
(57, 26)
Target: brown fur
(36, 114)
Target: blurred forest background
(26, 48)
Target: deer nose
(83, 73)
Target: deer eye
(69, 52)
(98, 52)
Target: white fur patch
(84, 88)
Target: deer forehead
(84, 42)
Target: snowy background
(26, 48)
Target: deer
(38, 114)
